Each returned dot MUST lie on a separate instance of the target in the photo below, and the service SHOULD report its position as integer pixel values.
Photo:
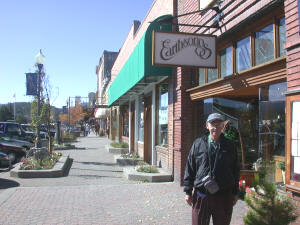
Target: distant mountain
(23, 108)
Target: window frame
(291, 185)
(274, 20)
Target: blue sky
(72, 35)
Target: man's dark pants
(218, 206)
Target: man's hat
(215, 116)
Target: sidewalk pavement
(94, 192)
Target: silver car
(19, 143)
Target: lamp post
(39, 62)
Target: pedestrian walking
(212, 175)
(97, 127)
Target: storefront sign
(183, 49)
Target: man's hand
(235, 198)
(188, 199)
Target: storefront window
(212, 74)
(272, 127)
(295, 144)
(243, 54)
(163, 115)
(282, 37)
(264, 45)
(125, 121)
(243, 129)
(141, 120)
(201, 76)
(226, 62)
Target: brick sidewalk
(96, 193)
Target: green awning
(138, 71)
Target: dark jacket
(226, 170)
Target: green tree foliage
(5, 114)
(20, 118)
(267, 206)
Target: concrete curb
(57, 171)
(116, 150)
(131, 174)
(127, 161)
(65, 147)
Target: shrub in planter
(119, 144)
(267, 206)
(68, 137)
(32, 163)
(130, 156)
(146, 168)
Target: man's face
(215, 129)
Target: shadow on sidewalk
(97, 163)
(6, 183)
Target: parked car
(14, 153)
(44, 128)
(13, 129)
(4, 160)
(30, 131)
(16, 142)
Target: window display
(226, 62)
(282, 37)
(264, 45)
(163, 115)
(243, 54)
(141, 121)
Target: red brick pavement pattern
(100, 204)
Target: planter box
(116, 150)
(57, 171)
(127, 161)
(131, 174)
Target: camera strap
(210, 158)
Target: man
(215, 156)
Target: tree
(5, 114)
(45, 116)
(20, 118)
(267, 207)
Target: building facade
(103, 72)
(138, 93)
(161, 110)
(255, 84)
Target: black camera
(210, 184)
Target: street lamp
(39, 62)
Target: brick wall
(292, 45)
(125, 139)
(162, 155)
(293, 62)
(140, 149)
(235, 13)
(183, 124)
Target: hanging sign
(184, 49)
(31, 84)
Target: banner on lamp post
(31, 84)
(183, 49)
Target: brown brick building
(256, 84)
